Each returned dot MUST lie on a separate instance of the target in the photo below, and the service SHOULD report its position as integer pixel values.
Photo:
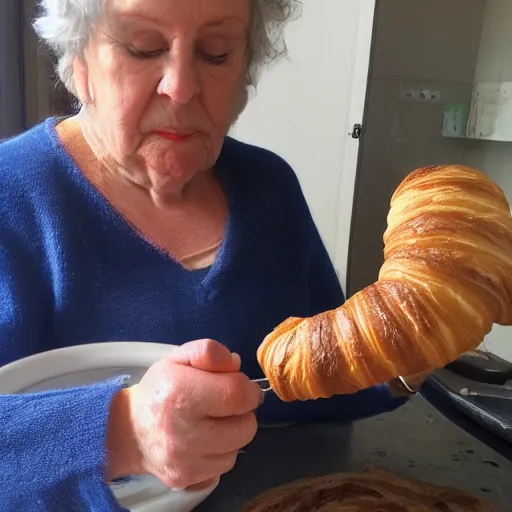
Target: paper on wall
(490, 116)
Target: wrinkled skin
(175, 65)
(191, 414)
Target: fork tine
(264, 384)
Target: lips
(174, 136)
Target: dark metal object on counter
(479, 386)
(482, 367)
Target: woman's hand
(186, 420)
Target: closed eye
(215, 59)
(151, 54)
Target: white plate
(86, 364)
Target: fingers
(221, 464)
(198, 474)
(230, 434)
(206, 355)
(220, 388)
(225, 395)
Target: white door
(306, 106)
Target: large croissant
(446, 278)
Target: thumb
(206, 355)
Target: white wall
(491, 109)
(495, 158)
(499, 342)
(494, 59)
(300, 110)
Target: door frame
(351, 147)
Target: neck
(79, 137)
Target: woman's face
(162, 82)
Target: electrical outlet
(410, 94)
(424, 95)
(435, 96)
(421, 95)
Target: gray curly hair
(66, 26)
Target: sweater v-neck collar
(211, 278)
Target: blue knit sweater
(72, 271)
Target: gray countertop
(415, 441)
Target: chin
(168, 179)
(179, 161)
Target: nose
(180, 81)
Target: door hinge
(357, 131)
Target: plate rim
(14, 377)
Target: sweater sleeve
(52, 450)
(326, 294)
(52, 454)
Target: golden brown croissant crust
(374, 490)
(446, 278)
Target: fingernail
(236, 359)
(262, 397)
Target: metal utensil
(504, 395)
(264, 384)
(412, 384)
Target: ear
(81, 81)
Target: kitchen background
(439, 91)
(448, 48)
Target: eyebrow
(211, 24)
(223, 21)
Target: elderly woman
(140, 219)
